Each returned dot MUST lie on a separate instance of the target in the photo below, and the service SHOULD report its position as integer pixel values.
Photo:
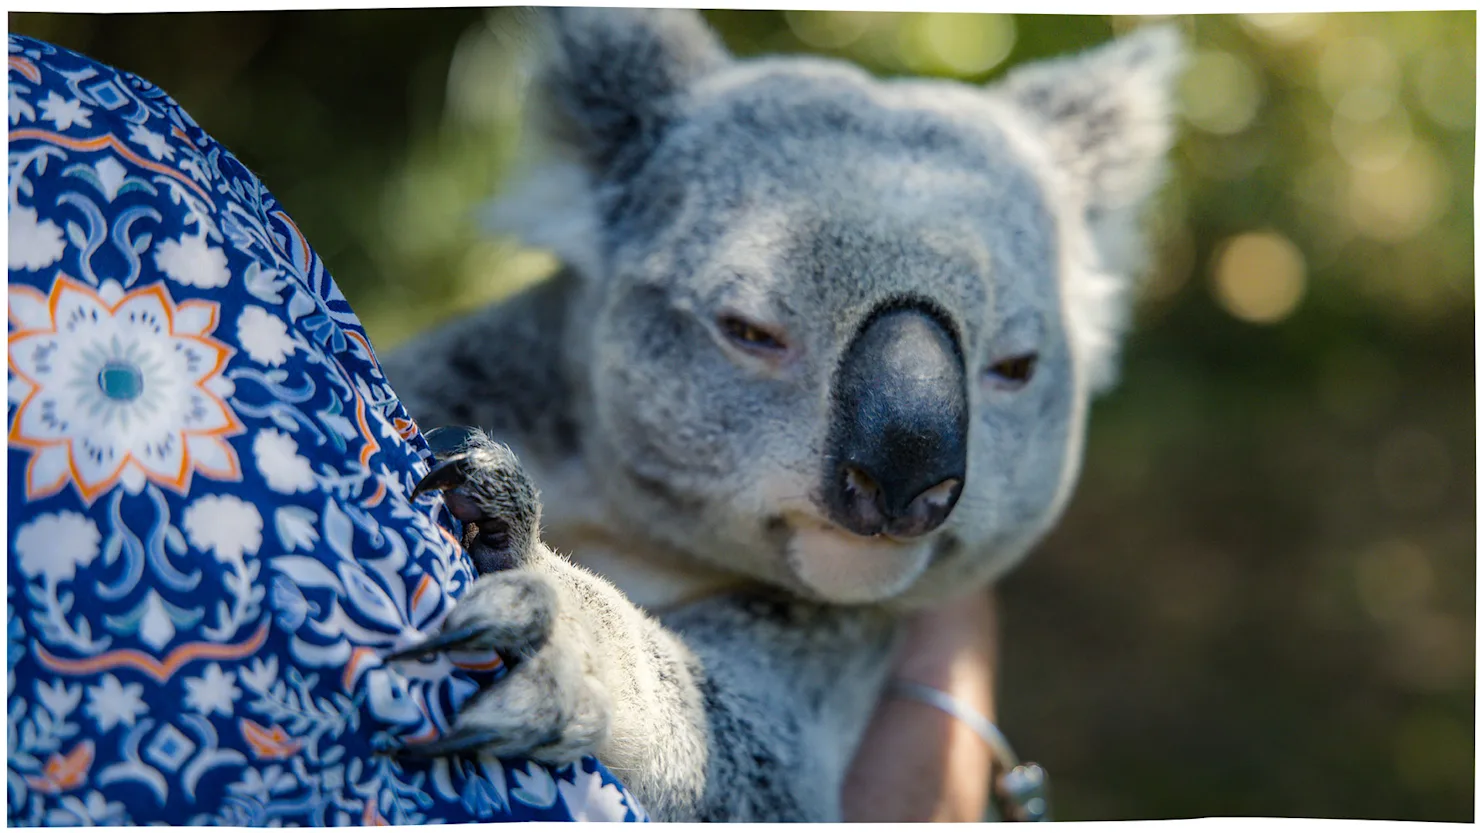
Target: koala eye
(749, 336)
(1013, 372)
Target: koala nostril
(864, 500)
(929, 509)
(859, 485)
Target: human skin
(917, 763)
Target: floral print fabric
(211, 537)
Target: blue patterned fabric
(211, 537)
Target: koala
(820, 354)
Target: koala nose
(897, 440)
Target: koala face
(843, 330)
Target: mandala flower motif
(118, 387)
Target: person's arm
(917, 763)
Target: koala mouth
(845, 567)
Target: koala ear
(604, 85)
(1107, 115)
(608, 77)
(1106, 119)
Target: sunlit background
(1262, 598)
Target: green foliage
(1262, 599)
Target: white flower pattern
(64, 112)
(264, 336)
(138, 377)
(225, 526)
(34, 243)
(53, 546)
(193, 261)
(111, 703)
(280, 464)
(213, 692)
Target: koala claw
(448, 474)
(453, 744)
(450, 445)
(458, 638)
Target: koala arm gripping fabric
(213, 545)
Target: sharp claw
(445, 475)
(448, 438)
(448, 745)
(442, 642)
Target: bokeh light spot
(1259, 277)
(828, 29)
(1442, 89)
(968, 44)
(481, 88)
(1356, 62)
(1282, 28)
(1396, 202)
(1371, 144)
(1220, 93)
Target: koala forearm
(659, 736)
(703, 728)
(785, 710)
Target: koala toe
(545, 710)
(510, 612)
(549, 707)
(484, 486)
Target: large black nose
(897, 440)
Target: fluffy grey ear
(603, 86)
(1107, 118)
(607, 78)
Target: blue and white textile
(210, 533)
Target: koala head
(842, 330)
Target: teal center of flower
(121, 381)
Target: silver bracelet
(1022, 789)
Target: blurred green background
(1262, 599)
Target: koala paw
(550, 707)
(484, 486)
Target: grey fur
(800, 194)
